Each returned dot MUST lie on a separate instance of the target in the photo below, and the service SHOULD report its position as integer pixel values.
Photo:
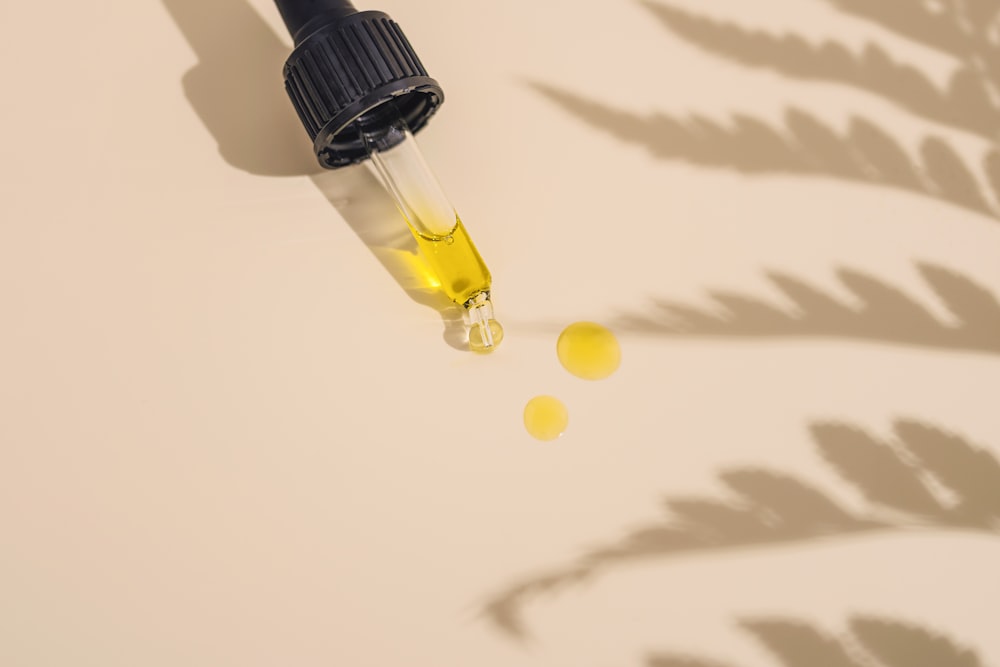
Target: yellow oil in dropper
(437, 229)
(455, 260)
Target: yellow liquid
(457, 263)
(545, 417)
(589, 351)
(476, 338)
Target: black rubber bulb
(345, 66)
(302, 16)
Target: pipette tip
(485, 333)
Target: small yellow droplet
(545, 417)
(477, 342)
(589, 351)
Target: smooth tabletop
(233, 433)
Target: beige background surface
(229, 436)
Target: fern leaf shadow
(681, 661)
(966, 104)
(880, 473)
(869, 640)
(898, 644)
(798, 643)
(885, 314)
(961, 29)
(900, 481)
(804, 146)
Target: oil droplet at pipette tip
(485, 333)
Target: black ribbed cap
(346, 65)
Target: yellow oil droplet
(478, 341)
(589, 351)
(545, 417)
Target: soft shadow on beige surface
(360, 199)
(869, 640)
(866, 154)
(965, 104)
(968, 30)
(899, 480)
(237, 90)
(804, 144)
(883, 314)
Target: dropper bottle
(361, 92)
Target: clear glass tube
(435, 225)
(404, 173)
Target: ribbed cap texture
(338, 66)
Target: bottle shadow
(924, 478)
(868, 640)
(236, 87)
(236, 90)
(883, 313)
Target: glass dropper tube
(435, 225)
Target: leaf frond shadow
(966, 103)
(923, 478)
(867, 641)
(803, 145)
(882, 313)
(960, 29)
